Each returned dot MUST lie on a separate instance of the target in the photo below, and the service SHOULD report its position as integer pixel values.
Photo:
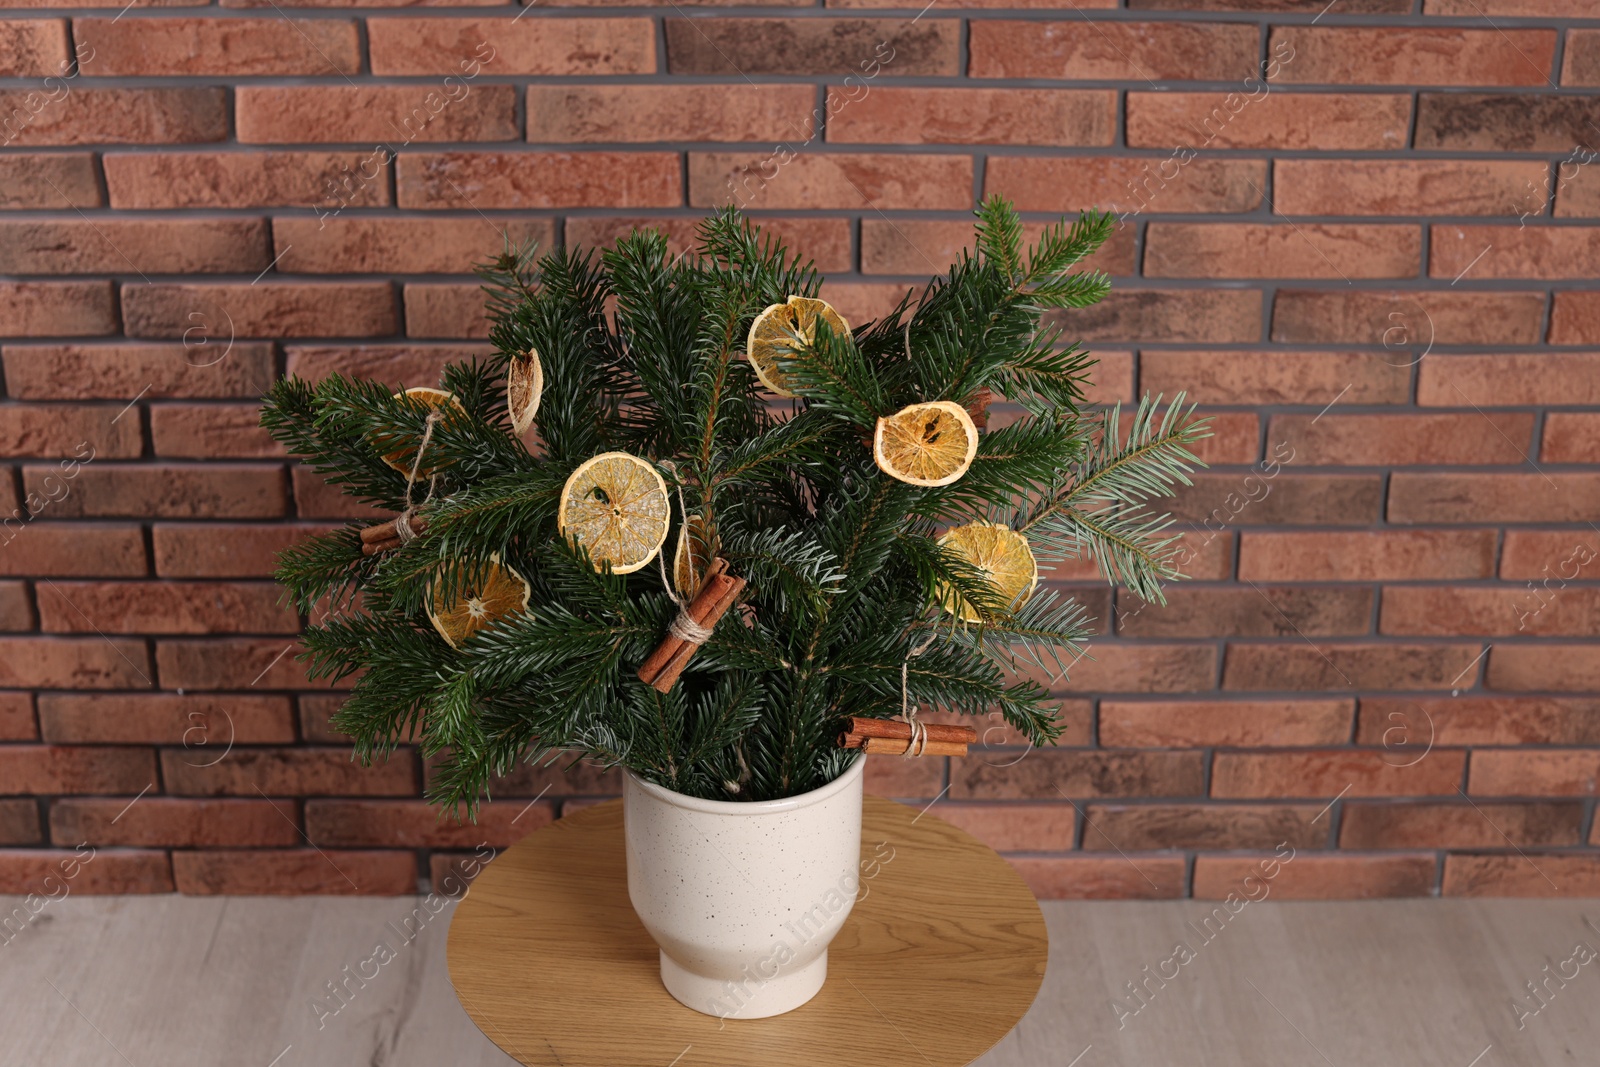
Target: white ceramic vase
(743, 898)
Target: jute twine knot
(402, 527)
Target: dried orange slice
(494, 591)
(615, 505)
(1004, 557)
(783, 330)
(692, 558)
(524, 387)
(399, 449)
(926, 444)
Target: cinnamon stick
(680, 659)
(373, 548)
(894, 746)
(388, 531)
(898, 730)
(713, 589)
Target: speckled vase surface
(744, 898)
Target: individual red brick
(1469, 720)
(91, 116)
(204, 367)
(567, 114)
(1010, 5)
(1036, 183)
(446, 311)
(194, 491)
(1575, 317)
(1405, 440)
(1308, 250)
(200, 550)
(1313, 877)
(1534, 772)
(19, 824)
(16, 717)
(1423, 825)
(316, 709)
(1320, 121)
(163, 608)
(418, 824)
(1366, 555)
(34, 181)
(1264, 611)
(1524, 8)
(314, 498)
(1402, 321)
(206, 725)
(1443, 611)
(1403, 187)
(1492, 498)
(889, 115)
(1133, 827)
(172, 823)
(397, 365)
(16, 611)
(1327, 773)
(818, 180)
(910, 779)
(1054, 774)
(91, 873)
(330, 181)
(1527, 252)
(1015, 827)
(232, 663)
(1309, 378)
(1274, 498)
(1391, 55)
(1235, 439)
(1580, 64)
(924, 246)
(1557, 555)
(375, 114)
(1094, 878)
(62, 430)
(739, 47)
(34, 48)
(73, 663)
(303, 771)
(1201, 724)
(166, 246)
(1547, 666)
(210, 431)
(1111, 378)
(237, 46)
(56, 309)
(262, 309)
(295, 872)
(367, 245)
(1211, 316)
(1346, 7)
(1329, 666)
(462, 181)
(825, 241)
(1122, 51)
(1502, 122)
(52, 769)
(543, 46)
(1536, 875)
(72, 550)
(1145, 668)
(1512, 378)
(863, 302)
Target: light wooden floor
(228, 982)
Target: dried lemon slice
(926, 444)
(524, 387)
(1004, 557)
(399, 448)
(783, 330)
(495, 591)
(692, 558)
(615, 505)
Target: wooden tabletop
(940, 958)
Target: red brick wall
(1365, 234)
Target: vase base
(745, 998)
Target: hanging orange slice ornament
(493, 591)
(524, 388)
(929, 444)
(1004, 557)
(398, 448)
(786, 330)
(616, 507)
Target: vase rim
(757, 807)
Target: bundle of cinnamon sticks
(891, 737)
(718, 591)
(385, 536)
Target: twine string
(908, 713)
(402, 527)
(683, 626)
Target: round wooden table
(941, 956)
